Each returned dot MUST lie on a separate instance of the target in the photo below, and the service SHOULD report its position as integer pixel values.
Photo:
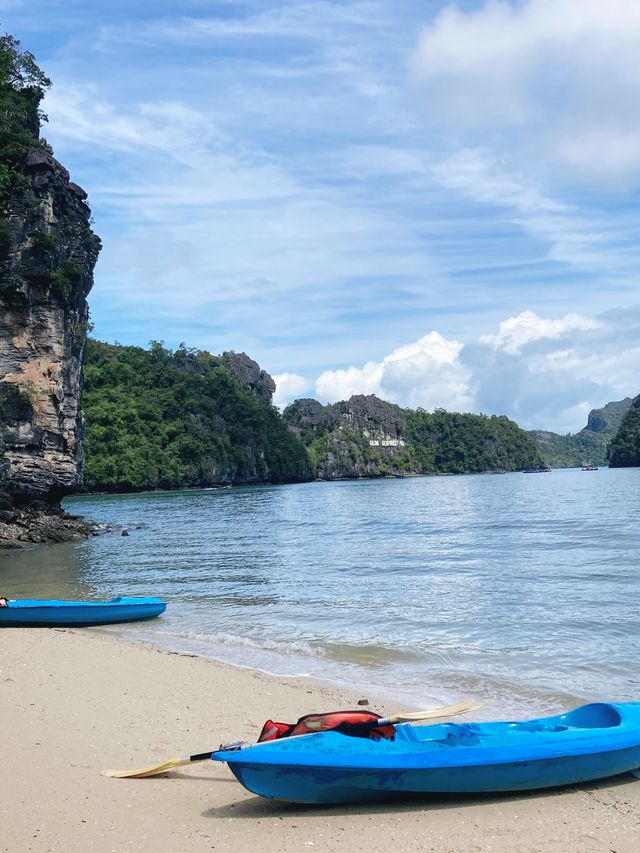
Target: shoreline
(76, 701)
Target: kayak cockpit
(598, 715)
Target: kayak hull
(27, 613)
(321, 785)
(445, 758)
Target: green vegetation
(65, 278)
(571, 451)
(161, 419)
(27, 392)
(5, 236)
(448, 442)
(624, 451)
(22, 87)
(44, 241)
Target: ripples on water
(517, 586)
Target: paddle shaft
(201, 756)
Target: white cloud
(181, 157)
(288, 387)
(561, 77)
(478, 174)
(335, 385)
(515, 332)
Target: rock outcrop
(355, 438)
(248, 372)
(608, 418)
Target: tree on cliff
(22, 87)
(18, 67)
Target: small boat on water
(590, 742)
(589, 466)
(30, 613)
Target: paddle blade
(463, 707)
(142, 773)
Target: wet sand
(73, 702)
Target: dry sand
(74, 702)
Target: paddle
(412, 716)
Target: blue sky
(436, 203)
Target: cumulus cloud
(559, 76)
(288, 387)
(516, 332)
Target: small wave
(371, 656)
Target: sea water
(520, 587)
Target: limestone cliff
(47, 256)
(248, 372)
(358, 437)
(45, 277)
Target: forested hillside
(161, 419)
(625, 447)
(458, 443)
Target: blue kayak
(28, 613)
(591, 742)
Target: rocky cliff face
(249, 372)
(608, 418)
(374, 417)
(45, 276)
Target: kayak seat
(598, 715)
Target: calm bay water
(521, 587)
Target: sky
(433, 202)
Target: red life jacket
(354, 723)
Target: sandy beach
(74, 702)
